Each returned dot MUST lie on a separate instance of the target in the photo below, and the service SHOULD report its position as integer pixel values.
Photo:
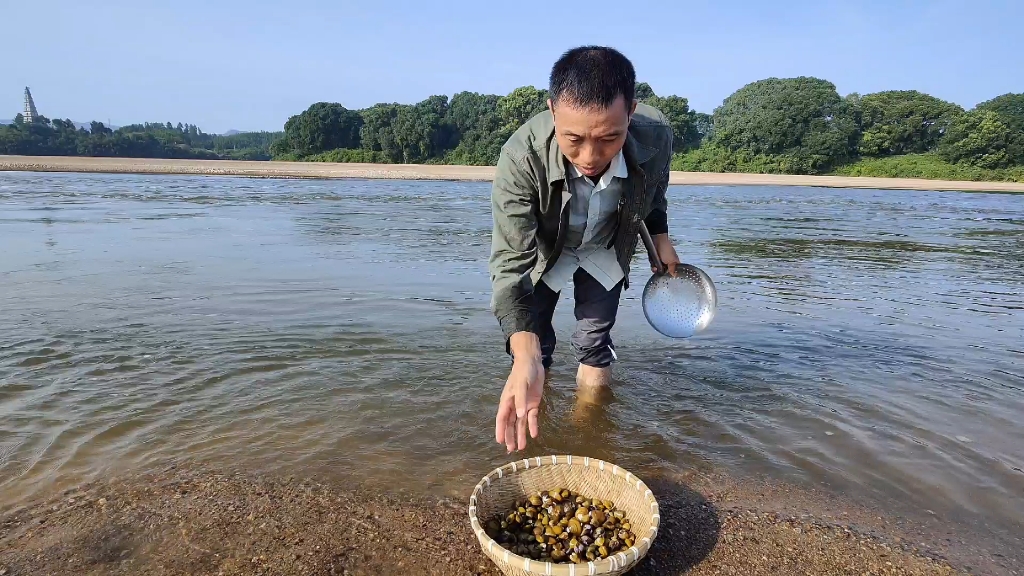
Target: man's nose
(588, 155)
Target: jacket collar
(634, 152)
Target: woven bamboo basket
(590, 477)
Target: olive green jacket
(529, 204)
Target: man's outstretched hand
(520, 400)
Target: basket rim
(612, 564)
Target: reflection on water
(870, 340)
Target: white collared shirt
(593, 211)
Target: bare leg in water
(593, 393)
(594, 384)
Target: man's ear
(632, 108)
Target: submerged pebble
(561, 526)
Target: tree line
(45, 137)
(469, 128)
(803, 126)
(777, 125)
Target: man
(570, 190)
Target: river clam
(561, 526)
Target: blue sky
(224, 64)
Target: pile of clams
(561, 526)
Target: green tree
(470, 111)
(643, 91)
(802, 117)
(520, 105)
(377, 133)
(478, 129)
(677, 110)
(853, 104)
(903, 122)
(1009, 107)
(704, 125)
(422, 131)
(281, 149)
(978, 138)
(321, 127)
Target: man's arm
(514, 252)
(657, 218)
(513, 256)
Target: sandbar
(278, 169)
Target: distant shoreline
(276, 169)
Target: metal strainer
(681, 306)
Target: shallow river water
(872, 340)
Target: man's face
(590, 138)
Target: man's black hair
(588, 76)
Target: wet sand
(443, 172)
(195, 521)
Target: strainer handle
(652, 252)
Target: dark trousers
(595, 310)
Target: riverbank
(273, 169)
(193, 521)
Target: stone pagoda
(30, 112)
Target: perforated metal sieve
(679, 306)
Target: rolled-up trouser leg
(545, 300)
(595, 309)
